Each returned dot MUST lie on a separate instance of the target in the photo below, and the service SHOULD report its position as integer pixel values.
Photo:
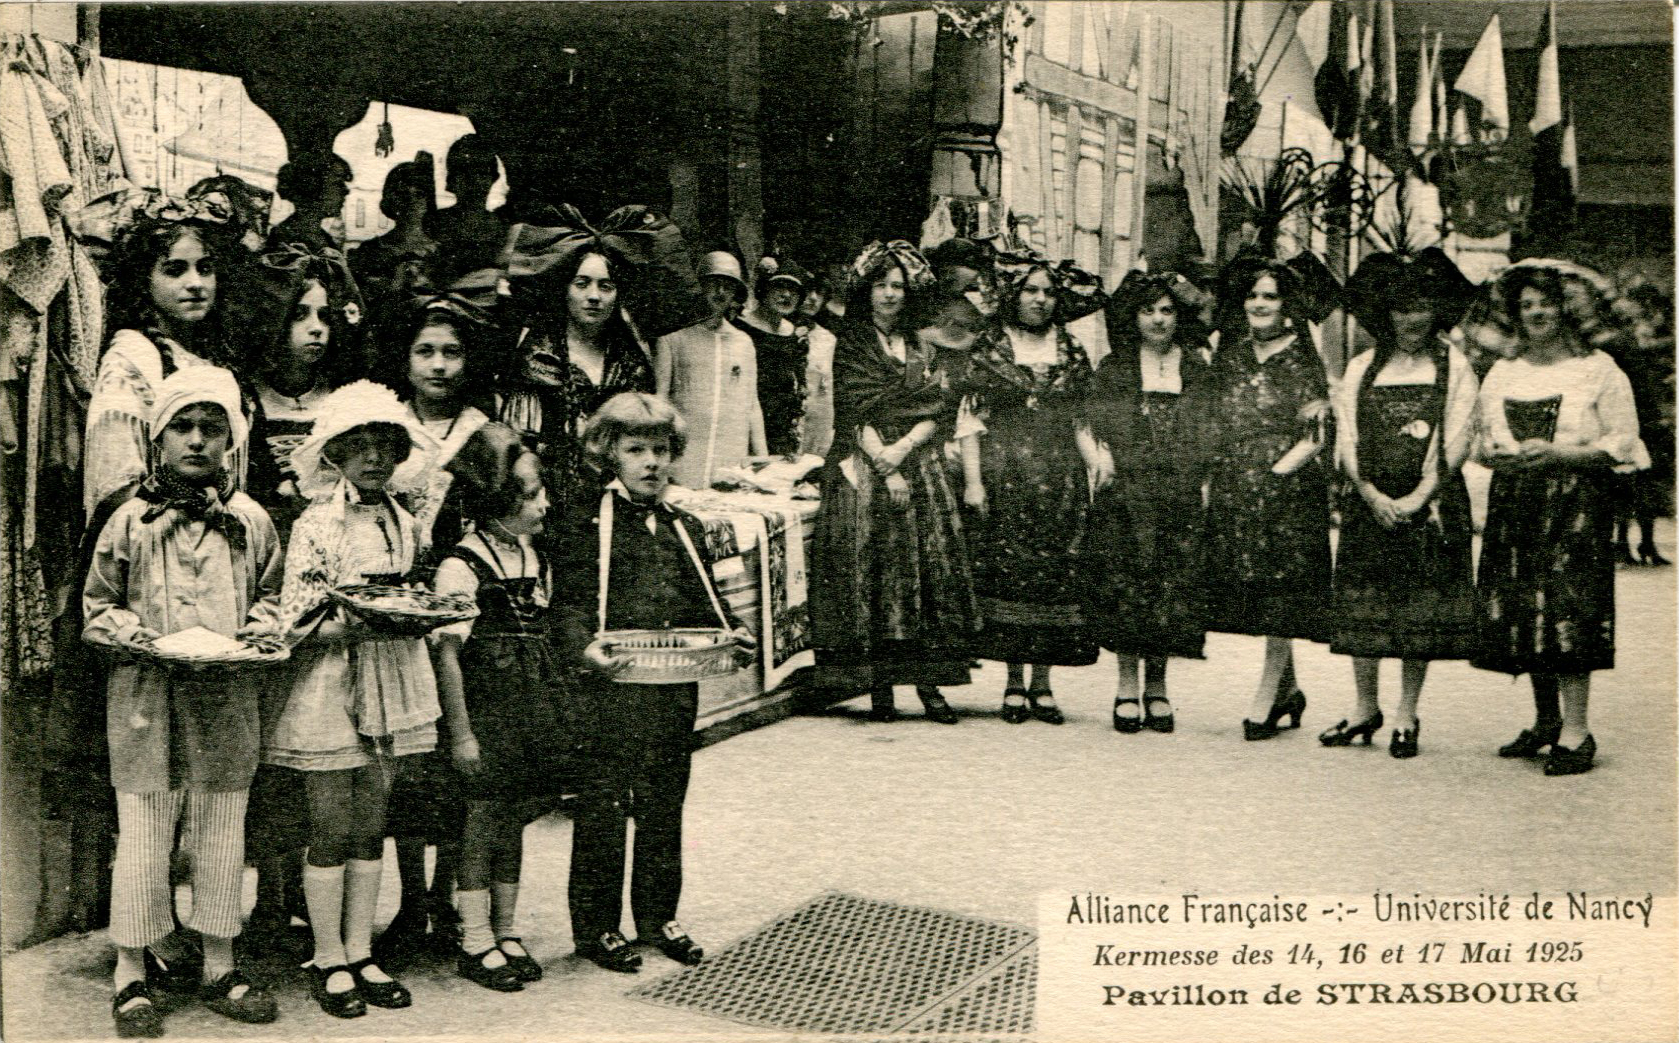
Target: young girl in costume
(362, 697)
(503, 695)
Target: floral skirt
(1547, 575)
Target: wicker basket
(405, 606)
(672, 656)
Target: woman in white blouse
(1555, 421)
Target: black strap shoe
(254, 1006)
(523, 964)
(392, 995)
(141, 1021)
(472, 967)
(347, 1004)
(1578, 761)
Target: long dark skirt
(1407, 592)
(1547, 576)
(1268, 547)
(1028, 546)
(892, 599)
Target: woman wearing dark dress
(1268, 495)
(1029, 383)
(892, 600)
(1404, 586)
(391, 267)
(1146, 541)
(1555, 422)
(578, 347)
(783, 352)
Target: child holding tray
(632, 563)
(182, 739)
(363, 693)
(505, 701)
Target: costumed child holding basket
(185, 579)
(363, 696)
(642, 615)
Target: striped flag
(1555, 166)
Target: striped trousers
(142, 902)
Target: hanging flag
(1241, 108)
(1437, 68)
(1571, 153)
(1383, 135)
(1547, 105)
(1483, 79)
(1460, 127)
(1551, 213)
(1336, 83)
(1422, 104)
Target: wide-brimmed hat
(1427, 279)
(361, 404)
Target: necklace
(430, 425)
(492, 537)
(1162, 360)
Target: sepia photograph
(925, 520)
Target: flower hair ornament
(1077, 292)
(917, 272)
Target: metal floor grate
(855, 966)
(999, 1006)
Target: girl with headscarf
(1556, 421)
(1268, 496)
(1405, 411)
(892, 600)
(183, 742)
(1029, 381)
(1149, 407)
(361, 696)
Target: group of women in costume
(989, 491)
(1186, 484)
(238, 491)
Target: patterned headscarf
(917, 272)
(108, 225)
(1077, 292)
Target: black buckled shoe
(1345, 734)
(141, 1021)
(672, 940)
(523, 964)
(392, 995)
(347, 1004)
(1044, 708)
(254, 1006)
(1578, 761)
(472, 967)
(612, 952)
